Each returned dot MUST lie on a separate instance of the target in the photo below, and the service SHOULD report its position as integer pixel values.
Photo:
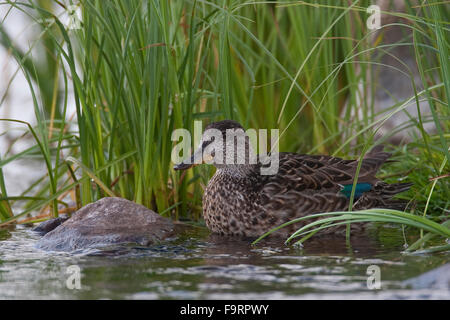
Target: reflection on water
(210, 267)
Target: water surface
(201, 266)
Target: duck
(240, 200)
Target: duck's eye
(207, 142)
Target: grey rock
(109, 221)
(392, 78)
(438, 278)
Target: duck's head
(223, 144)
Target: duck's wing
(304, 184)
(308, 184)
(316, 172)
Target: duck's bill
(183, 166)
(186, 164)
(197, 158)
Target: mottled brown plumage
(240, 201)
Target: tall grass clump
(140, 69)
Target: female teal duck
(241, 201)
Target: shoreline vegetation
(137, 70)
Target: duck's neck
(237, 171)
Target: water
(200, 266)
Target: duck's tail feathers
(381, 197)
(390, 190)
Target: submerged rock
(47, 226)
(438, 278)
(107, 222)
